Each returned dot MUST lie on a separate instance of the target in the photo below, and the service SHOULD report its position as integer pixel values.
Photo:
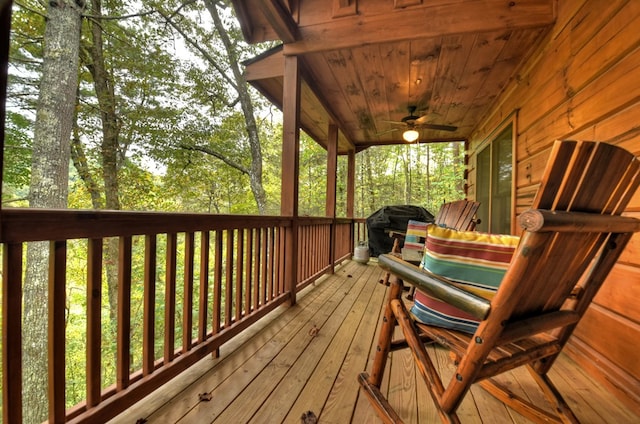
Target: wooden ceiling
(364, 62)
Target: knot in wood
(314, 331)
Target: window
(494, 183)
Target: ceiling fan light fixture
(410, 135)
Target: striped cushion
(416, 235)
(474, 261)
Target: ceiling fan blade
(395, 122)
(438, 127)
(386, 132)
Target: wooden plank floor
(307, 358)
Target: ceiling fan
(413, 122)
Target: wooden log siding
(207, 278)
(582, 84)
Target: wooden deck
(306, 358)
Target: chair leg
(379, 402)
(371, 383)
(529, 410)
(385, 279)
(423, 361)
(386, 335)
(517, 403)
(554, 396)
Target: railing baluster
(228, 293)
(94, 321)
(123, 362)
(12, 333)
(149, 321)
(257, 300)
(187, 295)
(239, 275)
(316, 243)
(264, 280)
(269, 255)
(303, 252)
(170, 299)
(248, 271)
(299, 276)
(217, 290)
(204, 286)
(282, 235)
(57, 338)
(316, 259)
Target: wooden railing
(203, 278)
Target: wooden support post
(351, 184)
(332, 171)
(290, 168)
(12, 332)
(5, 26)
(57, 320)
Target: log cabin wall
(583, 83)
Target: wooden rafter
(281, 20)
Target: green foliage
(17, 163)
(417, 174)
(312, 183)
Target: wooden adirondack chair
(459, 215)
(572, 237)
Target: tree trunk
(255, 175)
(49, 187)
(103, 86)
(368, 181)
(406, 162)
(80, 163)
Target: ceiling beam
(269, 64)
(308, 79)
(421, 22)
(280, 19)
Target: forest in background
(182, 142)
(161, 119)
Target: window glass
(494, 179)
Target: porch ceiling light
(410, 135)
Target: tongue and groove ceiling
(365, 62)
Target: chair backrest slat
(581, 177)
(458, 215)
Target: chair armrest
(397, 234)
(541, 220)
(436, 286)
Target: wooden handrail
(21, 225)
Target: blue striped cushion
(473, 261)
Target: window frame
(487, 142)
